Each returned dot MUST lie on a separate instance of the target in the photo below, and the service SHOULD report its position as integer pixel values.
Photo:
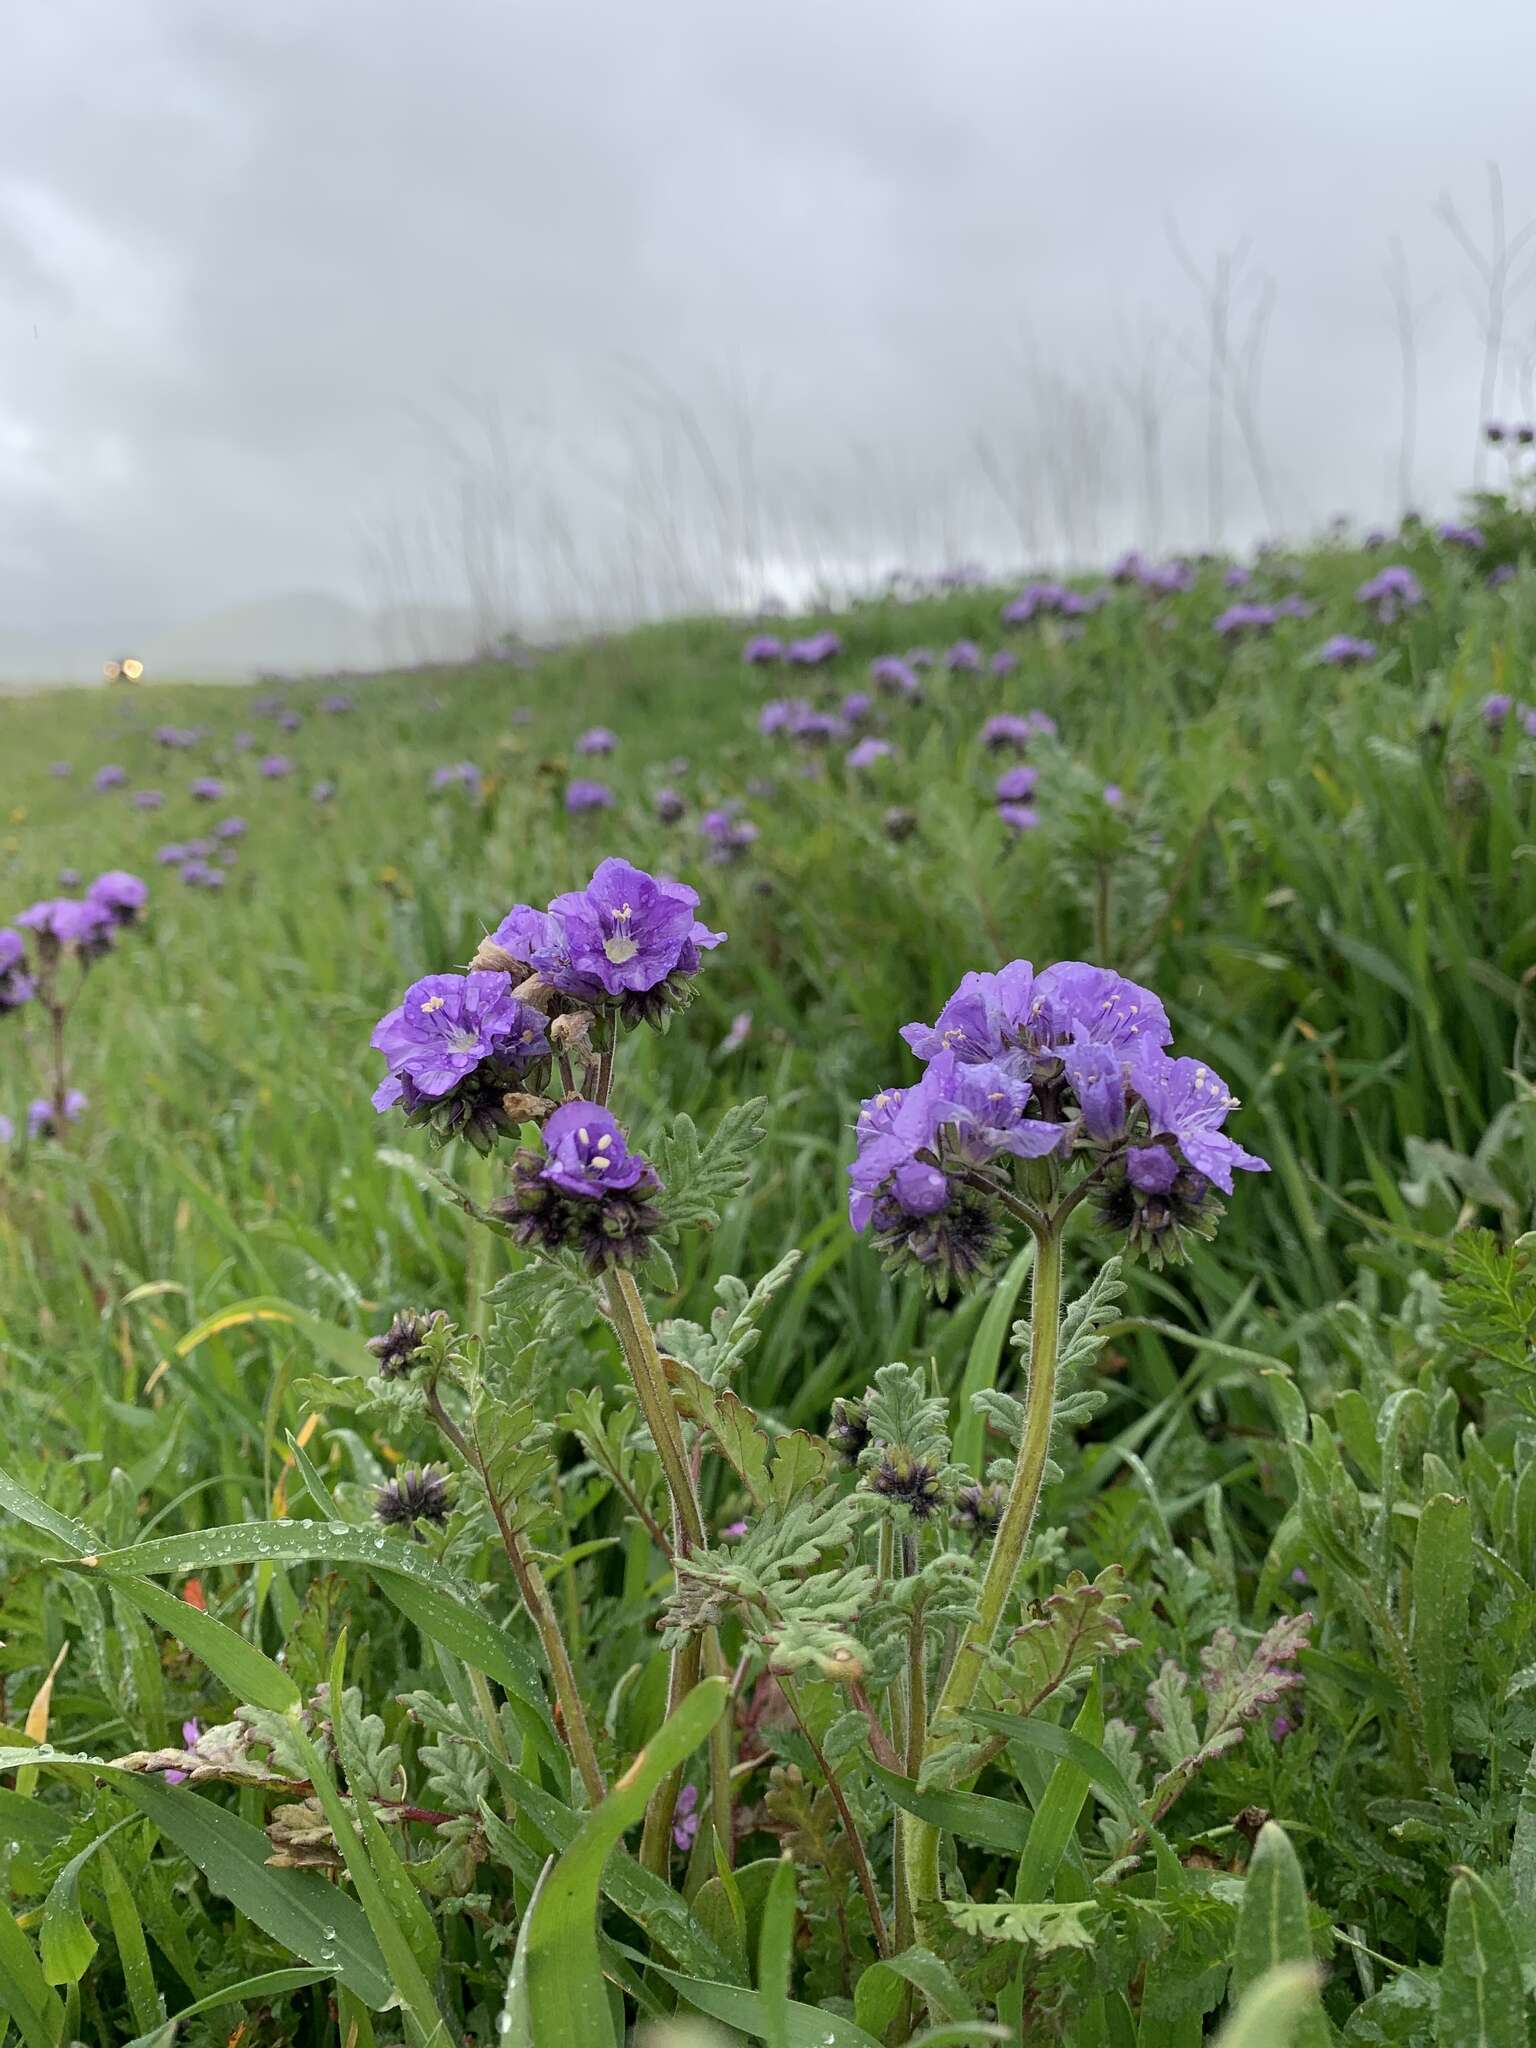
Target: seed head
(400, 1346)
(911, 1482)
(418, 1493)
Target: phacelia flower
(110, 777)
(628, 937)
(1004, 663)
(171, 855)
(978, 1510)
(455, 1047)
(336, 706)
(868, 753)
(585, 1192)
(1392, 591)
(908, 1482)
(1345, 650)
(1009, 729)
(597, 739)
(121, 895)
(895, 677)
(963, 658)
(207, 789)
(230, 828)
(197, 874)
(726, 834)
(1186, 1105)
(1019, 817)
(147, 800)
(456, 775)
(669, 805)
(856, 707)
(1240, 619)
(583, 796)
(63, 923)
(322, 792)
(1024, 1021)
(275, 766)
(44, 1119)
(61, 770)
(1456, 535)
(289, 721)
(1016, 785)
(762, 650)
(1114, 795)
(417, 1493)
(685, 1818)
(16, 985)
(814, 651)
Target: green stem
(851, 1833)
(916, 1744)
(1008, 1547)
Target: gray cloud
(810, 282)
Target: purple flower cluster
(597, 739)
(1068, 1066)
(1456, 535)
(628, 939)
(456, 775)
(583, 796)
(16, 985)
(895, 677)
(814, 651)
(726, 834)
(1391, 592)
(110, 777)
(1497, 709)
(1014, 730)
(1344, 650)
(586, 1192)
(763, 650)
(455, 1046)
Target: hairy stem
(850, 1826)
(535, 1596)
(1008, 1546)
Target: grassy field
(1328, 873)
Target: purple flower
(171, 855)
(920, 658)
(147, 800)
(121, 895)
(230, 828)
(43, 1122)
(895, 677)
(597, 739)
(322, 792)
(762, 650)
(963, 658)
(1114, 795)
(7, 1130)
(198, 875)
(1504, 573)
(1015, 1014)
(669, 805)
(289, 721)
(63, 922)
(1239, 619)
(244, 741)
(456, 774)
(61, 770)
(449, 1027)
(1458, 536)
(587, 1153)
(1007, 729)
(1392, 591)
(275, 766)
(1344, 650)
(1095, 1074)
(1016, 785)
(583, 795)
(685, 1816)
(110, 777)
(626, 934)
(1036, 600)
(1004, 662)
(336, 705)
(16, 985)
(1495, 710)
(208, 789)
(867, 753)
(1186, 1105)
(814, 651)
(1237, 578)
(175, 736)
(728, 835)
(1019, 817)
(856, 707)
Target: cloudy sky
(510, 304)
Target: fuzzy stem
(850, 1829)
(535, 1597)
(1008, 1546)
(917, 1743)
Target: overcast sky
(487, 299)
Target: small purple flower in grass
(180, 736)
(1237, 577)
(61, 770)
(963, 658)
(597, 739)
(1495, 710)
(1456, 535)
(1240, 619)
(191, 1736)
(456, 775)
(1016, 785)
(1345, 650)
(230, 828)
(147, 800)
(583, 796)
(16, 985)
(895, 677)
(920, 658)
(669, 805)
(208, 789)
(62, 923)
(198, 875)
(1392, 591)
(44, 1120)
(69, 878)
(1019, 818)
(275, 766)
(762, 650)
(171, 855)
(814, 651)
(1007, 729)
(1004, 663)
(685, 1818)
(733, 1532)
(110, 777)
(244, 741)
(868, 754)
(121, 895)
(1114, 795)
(7, 1130)
(336, 706)
(1504, 573)
(728, 835)
(856, 707)
(289, 721)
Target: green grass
(1330, 877)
